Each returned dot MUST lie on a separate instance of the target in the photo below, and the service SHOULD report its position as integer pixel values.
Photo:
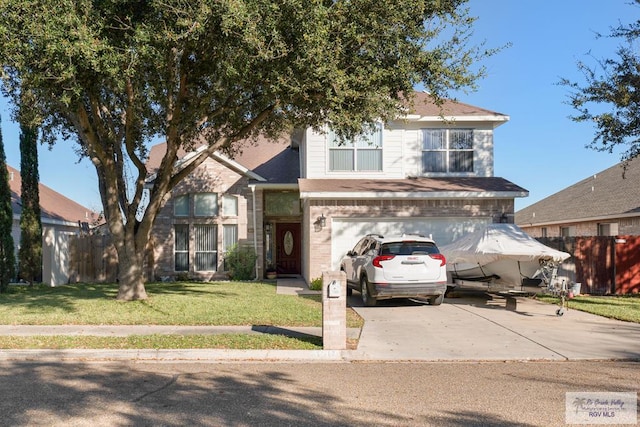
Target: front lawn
(185, 304)
(215, 303)
(620, 307)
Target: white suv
(407, 266)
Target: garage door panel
(346, 232)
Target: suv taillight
(376, 261)
(440, 257)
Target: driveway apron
(486, 327)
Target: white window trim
(448, 150)
(353, 146)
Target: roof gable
(603, 194)
(261, 159)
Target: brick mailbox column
(334, 310)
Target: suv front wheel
(367, 299)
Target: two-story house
(303, 201)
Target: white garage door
(346, 232)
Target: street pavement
(451, 394)
(470, 327)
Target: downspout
(255, 227)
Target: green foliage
(241, 262)
(316, 284)
(7, 249)
(116, 76)
(30, 253)
(609, 98)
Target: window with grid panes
(206, 247)
(181, 247)
(362, 154)
(447, 150)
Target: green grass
(620, 307)
(216, 303)
(185, 304)
(222, 341)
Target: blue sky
(540, 148)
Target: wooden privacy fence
(93, 259)
(602, 264)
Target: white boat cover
(499, 242)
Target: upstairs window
(447, 150)
(181, 206)
(362, 154)
(205, 204)
(229, 205)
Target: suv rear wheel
(436, 300)
(367, 299)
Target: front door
(288, 248)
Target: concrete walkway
(472, 328)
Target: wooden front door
(288, 248)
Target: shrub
(241, 262)
(316, 284)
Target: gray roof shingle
(603, 194)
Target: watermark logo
(601, 408)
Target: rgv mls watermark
(601, 408)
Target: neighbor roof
(53, 205)
(604, 194)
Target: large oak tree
(114, 75)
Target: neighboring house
(605, 204)
(61, 218)
(303, 201)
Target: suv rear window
(408, 248)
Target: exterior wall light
(322, 221)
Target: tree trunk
(131, 277)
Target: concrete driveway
(478, 326)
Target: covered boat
(500, 257)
